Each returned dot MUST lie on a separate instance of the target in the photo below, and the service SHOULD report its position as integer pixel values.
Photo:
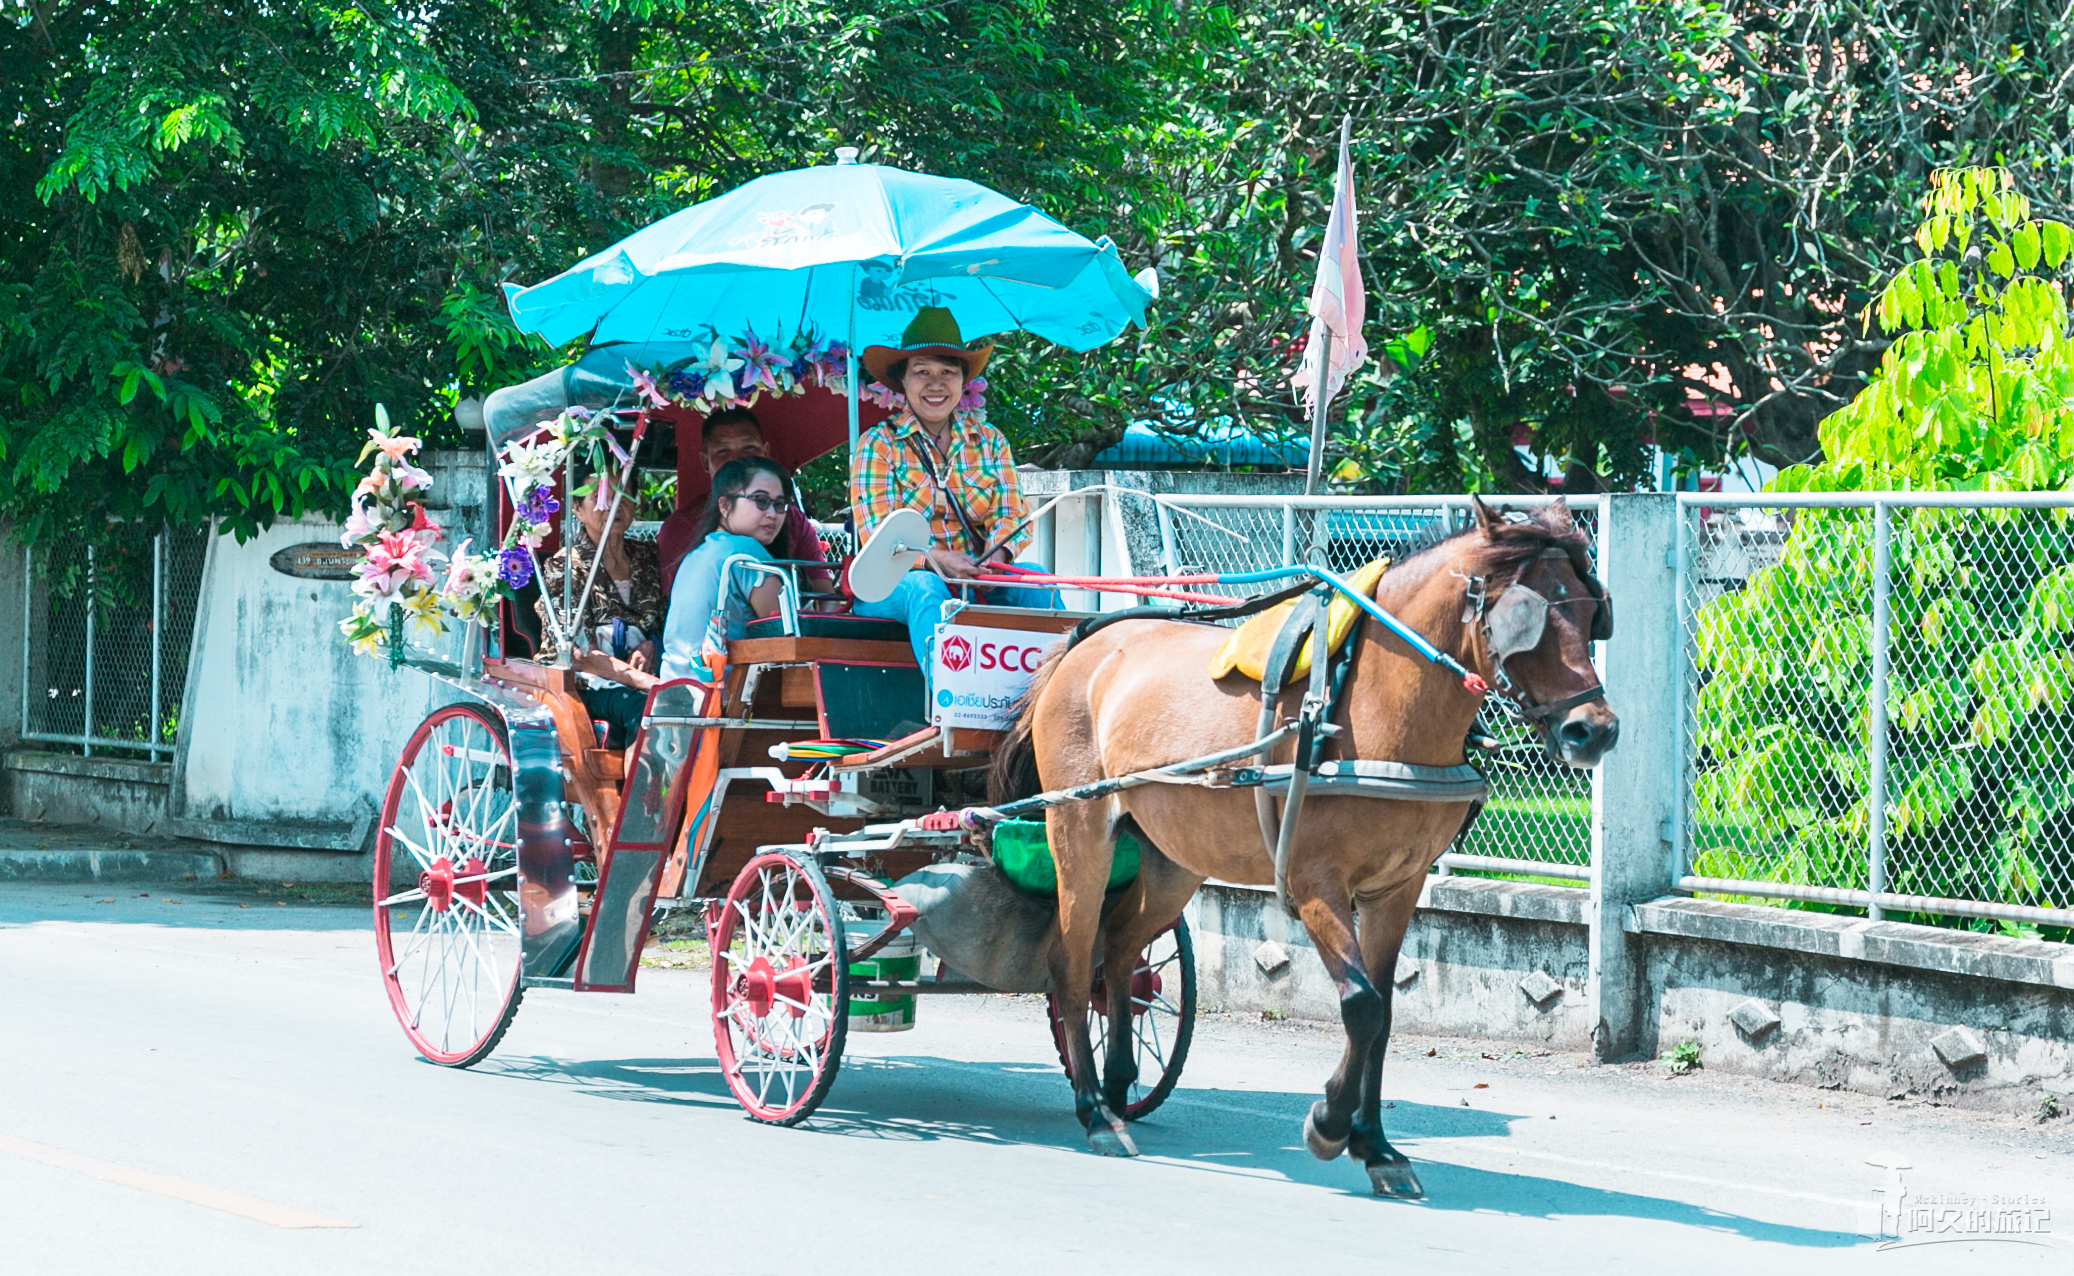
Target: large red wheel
(446, 887)
(780, 988)
(1162, 1018)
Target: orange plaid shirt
(887, 475)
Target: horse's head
(1533, 607)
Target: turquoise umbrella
(846, 251)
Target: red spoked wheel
(780, 988)
(446, 914)
(1162, 1018)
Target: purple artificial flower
(514, 567)
(538, 506)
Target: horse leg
(1148, 906)
(1384, 919)
(1327, 914)
(1077, 835)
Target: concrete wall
(287, 738)
(66, 788)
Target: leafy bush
(1972, 395)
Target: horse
(1137, 695)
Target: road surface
(185, 1080)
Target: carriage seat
(1248, 647)
(815, 624)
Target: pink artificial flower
(359, 523)
(369, 482)
(395, 447)
(400, 556)
(463, 574)
(421, 525)
(644, 386)
(975, 397)
(410, 477)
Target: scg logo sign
(957, 654)
(1007, 658)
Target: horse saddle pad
(1248, 647)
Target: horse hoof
(1395, 1180)
(1321, 1147)
(1109, 1138)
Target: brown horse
(1137, 695)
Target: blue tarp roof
(1219, 446)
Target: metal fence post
(158, 626)
(1166, 539)
(1288, 534)
(28, 629)
(87, 726)
(1876, 719)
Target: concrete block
(1272, 958)
(1407, 971)
(1540, 989)
(1959, 1047)
(1753, 1019)
(109, 865)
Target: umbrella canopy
(845, 251)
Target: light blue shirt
(695, 596)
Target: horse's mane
(1502, 548)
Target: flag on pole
(1337, 305)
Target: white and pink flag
(1338, 305)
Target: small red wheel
(780, 988)
(1162, 1018)
(446, 887)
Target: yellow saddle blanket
(1248, 647)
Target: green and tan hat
(933, 331)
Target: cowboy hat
(933, 331)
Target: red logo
(956, 654)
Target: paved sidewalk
(36, 852)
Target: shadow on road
(1247, 1133)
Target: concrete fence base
(1882, 1008)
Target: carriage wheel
(1162, 1018)
(449, 940)
(780, 988)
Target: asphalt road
(169, 1053)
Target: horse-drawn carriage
(852, 848)
(516, 853)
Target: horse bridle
(1515, 699)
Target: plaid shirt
(887, 475)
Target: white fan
(890, 554)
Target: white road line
(179, 1189)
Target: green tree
(1972, 395)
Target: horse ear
(1555, 516)
(1485, 519)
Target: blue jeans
(917, 601)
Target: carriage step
(908, 987)
(543, 981)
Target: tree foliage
(226, 231)
(1973, 394)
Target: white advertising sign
(980, 674)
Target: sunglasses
(764, 504)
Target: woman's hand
(953, 564)
(599, 665)
(642, 658)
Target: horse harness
(1512, 624)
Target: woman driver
(946, 462)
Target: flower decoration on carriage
(736, 372)
(395, 584)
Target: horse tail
(1013, 773)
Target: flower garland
(735, 374)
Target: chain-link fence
(1537, 822)
(1880, 702)
(106, 635)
